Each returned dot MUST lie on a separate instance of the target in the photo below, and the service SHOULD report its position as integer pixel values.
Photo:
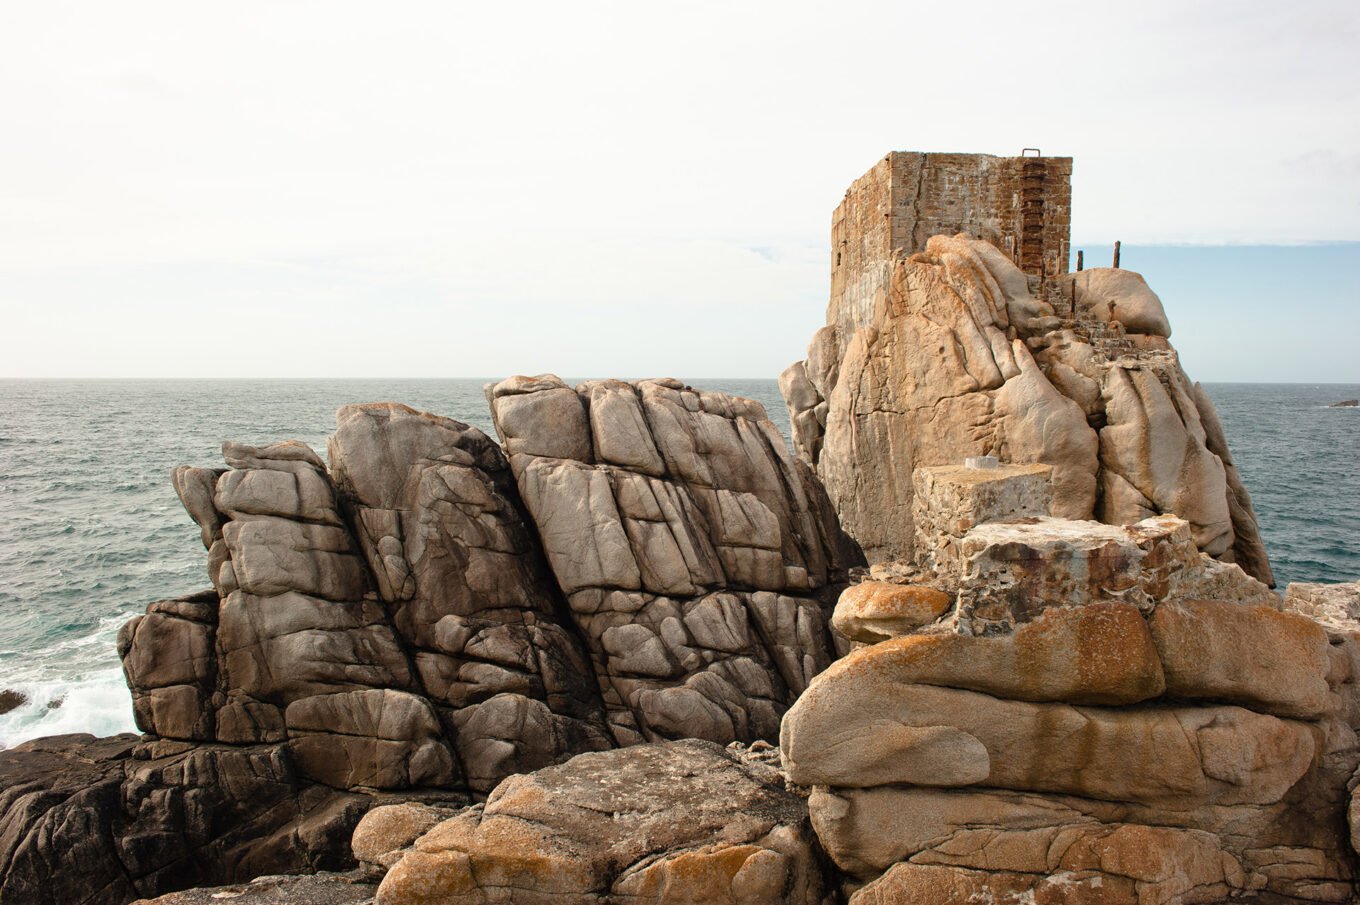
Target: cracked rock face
(1104, 714)
(956, 358)
(671, 822)
(693, 551)
(424, 614)
(649, 563)
(437, 518)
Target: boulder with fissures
(659, 823)
(1090, 722)
(957, 358)
(698, 558)
(440, 525)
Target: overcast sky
(334, 189)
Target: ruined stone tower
(1022, 205)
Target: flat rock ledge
(673, 822)
(351, 888)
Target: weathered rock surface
(953, 356)
(694, 552)
(670, 822)
(437, 517)
(1103, 714)
(103, 821)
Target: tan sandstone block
(874, 611)
(1251, 655)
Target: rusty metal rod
(1078, 260)
(1116, 255)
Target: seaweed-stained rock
(670, 822)
(695, 554)
(953, 355)
(105, 821)
(1105, 714)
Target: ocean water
(91, 530)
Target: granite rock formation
(655, 823)
(402, 620)
(695, 553)
(1103, 714)
(427, 616)
(956, 354)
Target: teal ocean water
(91, 531)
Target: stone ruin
(954, 329)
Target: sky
(335, 189)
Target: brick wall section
(1022, 205)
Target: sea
(91, 530)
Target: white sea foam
(98, 703)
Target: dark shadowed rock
(86, 821)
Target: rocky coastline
(1000, 627)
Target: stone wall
(1022, 205)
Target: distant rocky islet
(440, 669)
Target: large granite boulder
(660, 823)
(1104, 714)
(695, 553)
(956, 357)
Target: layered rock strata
(659, 823)
(1103, 714)
(955, 355)
(696, 555)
